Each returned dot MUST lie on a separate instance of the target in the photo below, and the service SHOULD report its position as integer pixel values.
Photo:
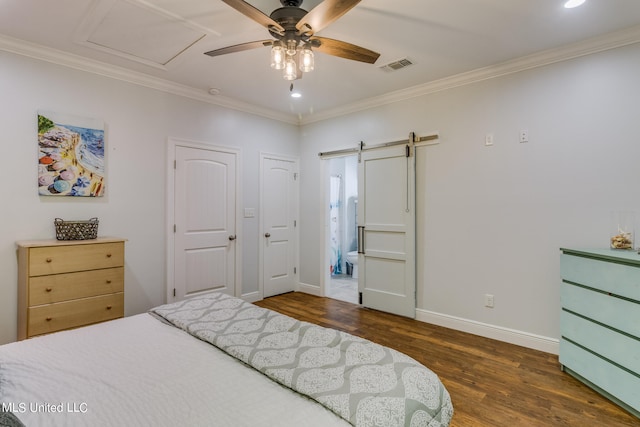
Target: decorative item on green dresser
(600, 322)
(622, 230)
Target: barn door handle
(267, 235)
(232, 237)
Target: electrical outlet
(488, 139)
(488, 300)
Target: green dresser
(600, 322)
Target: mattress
(138, 371)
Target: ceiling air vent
(396, 65)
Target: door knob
(267, 235)
(232, 237)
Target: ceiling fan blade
(239, 47)
(344, 50)
(251, 12)
(324, 14)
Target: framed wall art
(70, 155)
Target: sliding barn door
(386, 230)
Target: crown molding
(58, 57)
(587, 47)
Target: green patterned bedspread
(365, 383)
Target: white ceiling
(166, 40)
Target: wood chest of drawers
(600, 322)
(67, 284)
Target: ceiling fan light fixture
(292, 47)
(277, 56)
(306, 59)
(290, 68)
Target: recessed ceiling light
(296, 95)
(573, 3)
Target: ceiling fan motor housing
(288, 17)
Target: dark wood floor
(491, 383)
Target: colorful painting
(70, 155)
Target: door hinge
(295, 176)
(175, 164)
(174, 228)
(174, 292)
(295, 223)
(295, 270)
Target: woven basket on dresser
(76, 230)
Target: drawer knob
(49, 260)
(108, 282)
(108, 307)
(48, 289)
(49, 319)
(108, 255)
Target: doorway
(342, 268)
(385, 224)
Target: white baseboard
(512, 336)
(309, 289)
(251, 297)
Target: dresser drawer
(606, 342)
(48, 318)
(614, 381)
(619, 279)
(64, 259)
(67, 286)
(609, 310)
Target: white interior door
(205, 221)
(386, 228)
(279, 216)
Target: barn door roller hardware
(412, 140)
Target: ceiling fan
(293, 29)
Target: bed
(214, 360)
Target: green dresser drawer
(613, 277)
(608, 343)
(611, 380)
(617, 313)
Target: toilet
(352, 258)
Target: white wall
(491, 219)
(138, 122)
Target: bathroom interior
(343, 225)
